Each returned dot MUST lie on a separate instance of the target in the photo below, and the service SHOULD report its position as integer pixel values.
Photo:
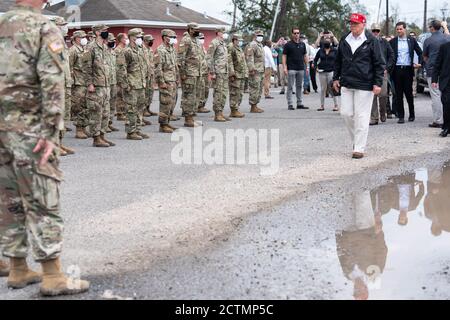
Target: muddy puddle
(396, 239)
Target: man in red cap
(359, 73)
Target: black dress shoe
(291, 108)
(300, 106)
(282, 92)
(445, 133)
(411, 119)
(401, 120)
(435, 125)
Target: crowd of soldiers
(109, 77)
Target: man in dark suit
(403, 74)
(441, 75)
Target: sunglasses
(296, 32)
(376, 31)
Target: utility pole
(425, 16)
(387, 18)
(275, 20)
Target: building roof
(138, 12)
(5, 5)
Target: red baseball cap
(358, 18)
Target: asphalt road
(144, 227)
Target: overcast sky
(410, 10)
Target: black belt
(403, 67)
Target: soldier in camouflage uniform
(98, 84)
(166, 76)
(31, 118)
(121, 105)
(148, 44)
(189, 65)
(78, 60)
(217, 59)
(132, 77)
(113, 81)
(203, 91)
(238, 74)
(254, 54)
(62, 25)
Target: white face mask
(241, 43)
(83, 42)
(65, 30)
(225, 36)
(259, 38)
(139, 42)
(201, 41)
(127, 42)
(173, 41)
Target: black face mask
(104, 35)
(150, 43)
(327, 45)
(111, 44)
(196, 33)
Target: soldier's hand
(45, 147)
(183, 77)
(164, 86)
(91, 88)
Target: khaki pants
(267, 76)
(379, 104)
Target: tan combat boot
(99, 143)
(133, 136)
(236, 114)
(143, 135)
(112, 128)
(172, 127)
(255, 109)
(164, 128)
(62, 152)
(174, 118)
(203, 110)
(147, 113)
(146, 122)
(80, 133)
(55, 283)
(219, 117)
(111, 144)
(121, 117)
(189, 122)
(20, 275)
(69, 151)
(4, 269)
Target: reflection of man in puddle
(361, 246)
(437, 201)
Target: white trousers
(436, 103)
(356, 106)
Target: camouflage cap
(172, 33)
(259, 33)
(237, 36)
(135, 32)
(91, 34)
(220, 29)
(148, 37)
(111, 37)
(100, 27)
(376, 26)
(59, 21)
(79, 34)
(165, 32)
(193, 25)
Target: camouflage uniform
(32, 107)
(151, 71)
(121, 105)
(217, 58)
(78, 59)
(238, 70)
(98, 74)
(189, 64)
(255, 62)
(113, 80)
(166, 72)
(133, 76)
(203, 91)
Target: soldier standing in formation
(113, 76)
(121, 106)
(133, 78)
(255, 63)
(98, 84)
(217, 58)
(203, 91)
(31, 118)
(189, 65)
(166, 77)
(238, 74)
(78, 66)
(148, 44)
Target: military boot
(143, 135)
(4, 269)
(219, 117)
(62, 152)
(133, 136)
(55, 283)
(254, 109)
(121, 117)
(172, 127)
(147, 113)
(236, 114)
(146, 122)
(164, 128)
(108, 130)
(112, 128)
(99, 143)
(68, 129)
(68, 150)
(111, 144)
(20, 275)
(80, 133)
(174, 118)
(203, 110)
(189, 122)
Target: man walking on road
(359, 73)
(441, 76)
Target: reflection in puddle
(397, 236)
